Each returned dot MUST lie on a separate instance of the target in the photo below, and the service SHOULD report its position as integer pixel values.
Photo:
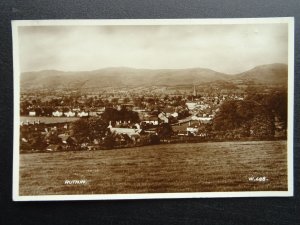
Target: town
(107, 118)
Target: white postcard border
(16, 78)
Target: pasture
(190, 167)
(47, 120)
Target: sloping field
(195, 167)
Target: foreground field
(195, 167)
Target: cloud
(225, 48)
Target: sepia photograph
(157, 108)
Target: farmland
(47, 120)
(190, 167)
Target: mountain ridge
(125, 76)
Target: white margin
(16, 134)
(111, 22)
(290, 136)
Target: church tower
(194, 92)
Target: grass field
(195, 167)
(47, 120)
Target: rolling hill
(272, 73)
(123, 76)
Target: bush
(109, 141)
(154, 139)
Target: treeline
(67, 103)
(111, 114)
(253, 117)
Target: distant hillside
(118, 77)
(271, 73)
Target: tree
(172, 120)
(48, 111)
(115, 100)
(183, 113)
(154, 139)
(126, 100)
(39, 143)
(52, 138)
(227, 118)
(88, 129)
(25, 146)
(111, 114)
(262, 125)
(244, 118)
(138, 101)
(38, 111)
(109, 141)
(97, 128)
(98, 103)
(24, 107)
(80, 129)
(90, 102)
(164, 130)
(275, 102)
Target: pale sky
(224, 48)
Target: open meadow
(190, 167)
(47, 120)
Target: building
(128, 131)
(202, 119)
(191, 105)
(192, 130)
(83, 114)
(32, 113)
(69, 114)
(151, 120)
(194, 92)
(57, 114)
(162, 116)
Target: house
(128, 131)
(93, 113)
(202, 119)
(132, 133)
(69, 114)
(175, 114)
(32, 113)
(83, 114)
(151, 120)
(57, 113)
(128, 106)
(191, 105)
(138, 109)
(192, 130)
(181, 133)
(162, 116)
(76, 110)
(101, 110)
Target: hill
(122, 76)
(267, 74)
